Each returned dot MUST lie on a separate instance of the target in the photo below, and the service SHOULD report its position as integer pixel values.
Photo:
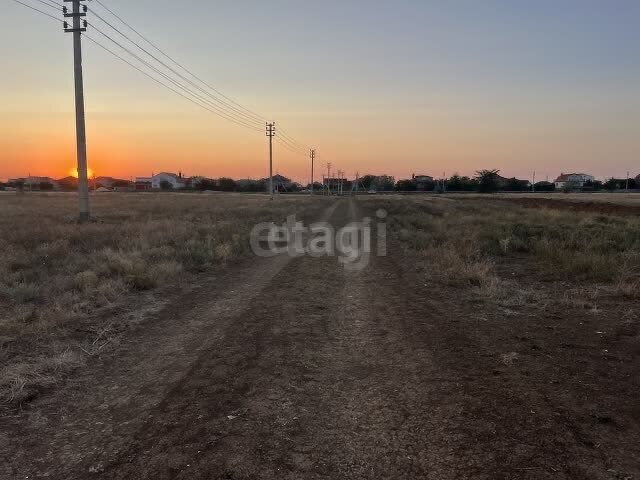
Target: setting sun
(74, 172)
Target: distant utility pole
(81, 138)
(271, 131)
(627, 187)
(329, 178)
(357, 184)
(533, 184)
(312, 154)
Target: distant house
(423, 182)
(576, 180)
(35, 183)
(422, 178)
(143, 183)
(155, 181)
(176, 181)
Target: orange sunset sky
(406, 87)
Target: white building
(155, 181)
(573, 179)
(176, 181)
(33, 182)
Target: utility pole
(312, 154)
(81, 138)
(533, 185)
(329, 178)
(271, 131)
(627, 187)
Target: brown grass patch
(58, 277)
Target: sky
(385, 87)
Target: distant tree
(487, 180)
(592, 186)
(545, 187)
(515, 185)
(378, 182)
(206, 184)
(406, 186)
(227, 184)
(458, 183)
(385, 182)
(166, 185)
(368, 181)
(611, 184)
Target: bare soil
(297, 368)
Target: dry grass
(616, 198)
(462, 242)
(56, 276)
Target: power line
(218, 110)
(297, 152)
(48, 4)
(223, 104)
(284, 139)
(39, 11)
(256, 115)
(247, 114)
(289, 137)
(148, 75)
(291, 147)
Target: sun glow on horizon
(74, 172)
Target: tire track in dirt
(91, 419)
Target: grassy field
(62, 284)
(466, 240)
(152, 342)
(66, 288)
(618, 198)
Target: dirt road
(297, 368)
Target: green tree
(487, 180)
(227, 184)
(406, 186)
(611, 184)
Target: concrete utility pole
(81, 138)
(271, 131)
(533, 184)
(312, 154)
(627, 187)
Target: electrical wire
(256, 115)
(50, 5)
(224, 105)
(88, 37)
(219, 112)
(39, 11)
(283, 138)
(250, 114)
(292, 147)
